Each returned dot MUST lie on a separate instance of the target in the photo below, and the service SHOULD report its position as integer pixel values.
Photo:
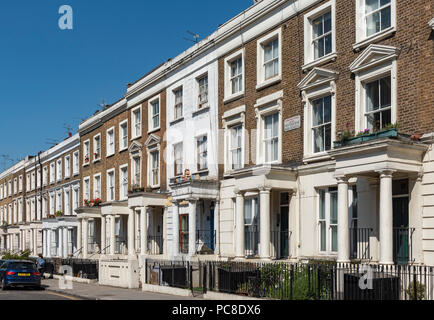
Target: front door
(401, 235)
(183, 233)
(284, 235)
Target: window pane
(328, 44)
(321, 204)
(385, 18)
(328, 137)
(334, 238)
(371, 5)
(372, 96)
(374, 121)
(385, 92)
(327, 109)
(323, 236)
(333, 207)
(384, 2)
(318, 115)
(386, 118)
(248, 217)
(317, 26)
(327, 22)
(372, 23)
(318, 139)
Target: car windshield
(20, 265)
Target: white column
(343, 223)
(60, 244)
(265, 231)
(192, 228)
(31, 240)
(48, 243)
(35, 234)
(80, 237)
(217, 226)
(85, 226)
(103, 235)
(175, 222)
(386, 217)
(112, 235)
(143, 230)
(131, 231)
(43, 243)
(239, 231)
(65, 242)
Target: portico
(263, 216)
(89, 232)
(391, 170)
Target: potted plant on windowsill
(59, 214)
(86, 159)
(389, 131)
(4, 225)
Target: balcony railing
(155, 245)
(360, 248)
(402, 245)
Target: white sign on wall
(292, 123)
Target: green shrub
(420, 291)
(24, 255)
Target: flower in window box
(96, 155)
(86, 159)
(59, 213)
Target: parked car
(19, 273)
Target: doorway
(401, 230)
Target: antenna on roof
(52, 142)
(68, 128)
(195, 36)
(103, 105)
(4, 160)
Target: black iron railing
(155, 245)
(403, 245)
(360, 248)
(81, 268)
(297, 281)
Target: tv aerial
(194, 35)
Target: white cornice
(101, 115)
(317, 77)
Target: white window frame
(86, 196)
(150, 168)
(234, 118)
(197, 153)
(328, 250)
(86, 147)
(228, 95)
(121, 138)
(38, 178)
(75, 198)
(32, 182)
(76, 163)
(58, 170)
(45, 176)
(67, 169)
(52, 203)
(264, 107)
(95, 194)
(368, 75)
(109, 172)
(121, 183)
(361, 39)
(174, 172)
(178, 105)
(309, 55)
(1, 192)
(134, 125)
(134, 169)
(151, 115)
(20, 183)
(202, 104)
(95, 137)
(109, 152)
(260, 69)
(59, 195)
(67, 201)
(15, 185)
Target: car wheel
(4, 287)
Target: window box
(389, 133)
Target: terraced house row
(299, 130)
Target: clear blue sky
(50, 77)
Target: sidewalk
(98, 292)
